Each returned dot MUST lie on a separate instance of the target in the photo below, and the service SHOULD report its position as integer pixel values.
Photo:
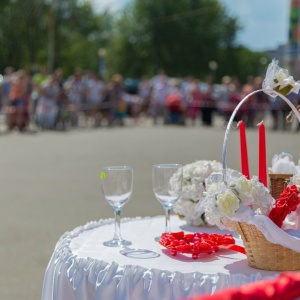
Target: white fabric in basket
(283, 165)
(289, 238)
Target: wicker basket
(278, 183)
(261, 254)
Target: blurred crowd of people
(51, 101)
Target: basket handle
(267, 91)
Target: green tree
(20, 29)
(79, 35)
(69, 30)
(180, 36)
(241, 62)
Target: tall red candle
(243, 150)
(262, 158)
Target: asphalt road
(49, 184)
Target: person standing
(6, 87)
(76, 94)
(94, 91)
(208, 103)
(47, 108)
(19, 97)
(161, 90)
(144, 92)
(38, 79)
(175, 104)
(195, 99)
(114, 100)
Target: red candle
(262, 158)
(244, 151)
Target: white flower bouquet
(194, 175)
(224, 203)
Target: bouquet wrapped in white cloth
(194, 175)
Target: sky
(265, 22)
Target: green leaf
(284, 91)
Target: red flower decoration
(286, 203)
(197, 243)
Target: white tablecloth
(82, 268)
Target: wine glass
(116, 183)
(167, 187)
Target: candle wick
(260, 123)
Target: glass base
(139, 253)
(117, 243)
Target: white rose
(175, 186)
(216, 166)
(215, 187)
(244, 188)
(212, 218)
(296, 179)
(191, 212)
(185, 208)
(202, 172)
(227, 203)
(262, 200)
(193, 192)
(187, 172)
(212, 215)
(244, 184)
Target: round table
(82, 268)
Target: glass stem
(168, 214)
(117, 235)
